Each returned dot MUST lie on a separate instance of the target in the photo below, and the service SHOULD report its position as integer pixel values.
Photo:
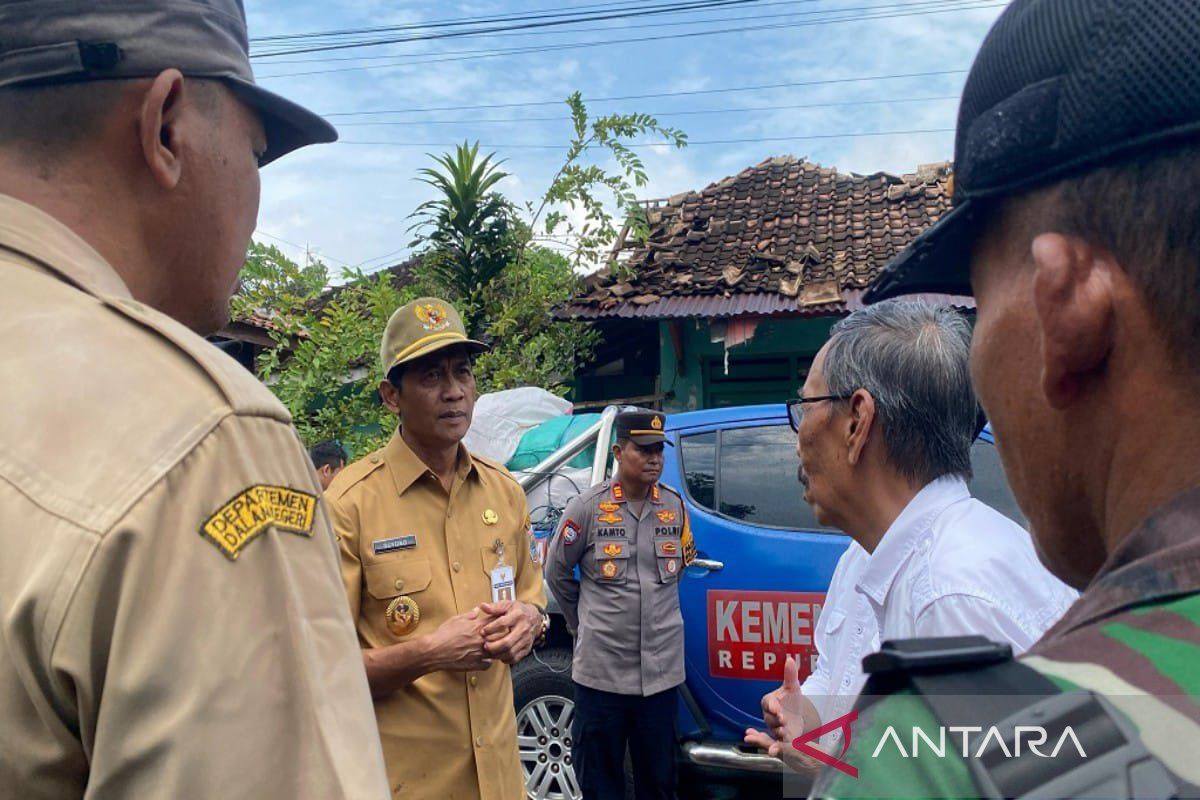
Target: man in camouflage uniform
(1078, 169)
(630, 538)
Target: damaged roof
(786, 236)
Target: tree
(472, 232)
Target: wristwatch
(540, 639)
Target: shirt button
(479, 741)
(399, 584)
(457, 567)
(473, 680)
(857, 630)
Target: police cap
(641, 426)
(66, 41)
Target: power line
(524, 25)
(968, 5)
(655, 95)
(306, 248)
(848, 135)
(664, 114)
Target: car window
(757, 482)
(990, 485)
(698, 453)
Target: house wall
(766, 369)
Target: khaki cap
(419, 328)
(65, 41)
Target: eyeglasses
(795, 407)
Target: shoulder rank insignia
(610, 518)
(613, 549)
(608, 507)
(252, 511)
(617, 492)
(655, 494)
(666, 516)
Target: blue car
(750, 599)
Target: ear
(1073, 297)
(390, 396)
(158, 127)
(616, 448)
(858, 425)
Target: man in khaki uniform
(437, 567)
(171, 623)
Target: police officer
(630, 539)
(437, 566)
(1077, 171)
(171, 620)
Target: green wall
(762, 370)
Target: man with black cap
(630, 539)
(1078, 168)
(170, 611)
(437, 567)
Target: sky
(349, 203)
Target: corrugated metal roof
(741, 305)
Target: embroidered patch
(672, 566)
(668, 548)
(609, 569)
(617, 492)
(609, 532)
(252, 511)
(608, 507)
(612, 549)
(570, 531)
(655, 495)
(433, 316)
(395, 543)
(610, 518)
(666, 517)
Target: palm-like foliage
(469, 230)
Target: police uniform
(172, 619)
(623, 612)
(413, 556)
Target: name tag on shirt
(503, 584)
(395, 543)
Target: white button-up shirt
(949, 565)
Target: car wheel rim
(544, 744)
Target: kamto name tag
(395, 543)
(254, 510)
(503, 584)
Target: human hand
(459, 643)
(514, 627)
(781, 707)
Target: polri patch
(252, 511)
(570, 531)
(395, 543)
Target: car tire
(544, 700)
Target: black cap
(642, 426)
(66, 41)
(1058, 87)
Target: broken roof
(783, 237)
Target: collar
(407, 468)
(618, 494)
(34, 234)
(907, 532)
(1158, 560)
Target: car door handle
(708, 564)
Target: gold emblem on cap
(403, 614)
(433, 316)
(656, 423)
(490, 517)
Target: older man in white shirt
(884, 426)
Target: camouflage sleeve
(895, 750)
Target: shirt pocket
(668, 552)
(831, 621)
(612, 562)
(394, 578)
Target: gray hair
(912, 358)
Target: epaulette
(495, 466)
(354, 473)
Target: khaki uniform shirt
(138, 657)
(624, 609)
(448, 735)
